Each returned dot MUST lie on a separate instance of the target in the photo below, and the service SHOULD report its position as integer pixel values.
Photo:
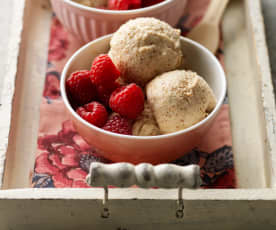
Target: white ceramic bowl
(156, 149)
(89, 23)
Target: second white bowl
(89, 23)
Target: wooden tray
(253, 118)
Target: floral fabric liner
(63, 157)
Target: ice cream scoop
(179, 99)
(145, 124)
(144, 48)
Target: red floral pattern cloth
(63, 157)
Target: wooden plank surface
(7, 83)
(32, 63)
(137, 209)
(6, 10)
(246, 122)
(269, 9)
(261, 66)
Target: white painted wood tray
(253, 120)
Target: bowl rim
(118, 12)
(132, 137)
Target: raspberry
(103, 71)
(80, 89)
(105, 92)
(118, 4)
(118, 124)
(94, 112)
(128, 101)
(135, 4)
(146, 3)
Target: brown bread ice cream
(145, 124)
(179, 99)
(144, 48)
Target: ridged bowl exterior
(88, 23)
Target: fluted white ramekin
(89, 23)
